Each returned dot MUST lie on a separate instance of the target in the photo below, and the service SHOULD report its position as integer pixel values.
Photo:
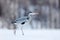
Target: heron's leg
(22, 30)
(14, 31)
(14, 28)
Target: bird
(23, 20)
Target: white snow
(30, 35)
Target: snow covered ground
(30, 35)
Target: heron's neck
(30, 18)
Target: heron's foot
(14, 32)
(23, 34)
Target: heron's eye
(28, 18)
(30, 12)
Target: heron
(24, 20)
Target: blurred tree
(33, 2)
(0, 10)
(9, 10)
(59, 4)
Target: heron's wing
(20, 20)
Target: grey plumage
(23, 20)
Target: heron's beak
(34, 13)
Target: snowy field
(30, 35)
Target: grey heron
(23, 20)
